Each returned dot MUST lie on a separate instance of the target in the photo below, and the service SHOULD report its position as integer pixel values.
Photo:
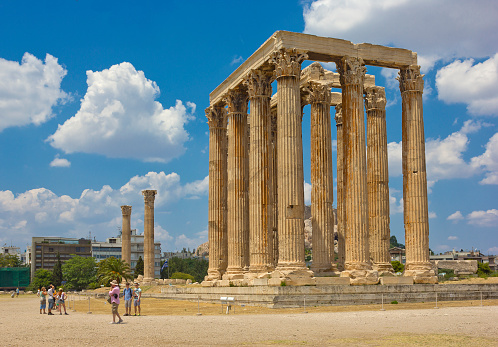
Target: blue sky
(101, 100)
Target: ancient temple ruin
(256, 183)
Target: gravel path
(22, 325)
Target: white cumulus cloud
(42, 212)
(443, 29)
(487, 218)
(489, 161)
(120, 118)
(452, 238)
(455, 216)
(473, 84)
(30, 90)
(60, 162)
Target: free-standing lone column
(341, 211)
(322, 183)
(290, 163)
(126, 234)
(357, 262)
(258, 84)
(378, 180)
(238, 204)
(217, 214)
(149, 197)
(416, 212)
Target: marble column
(322, 183)
(273, 187)
(258, 83)
(237, 194)
(126, 234)
(149, 197)
(378, 180)
(217, 204)
(416, 212)
(357, 263)
(290, 162)
(341, 208)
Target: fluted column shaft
(416, 212)
(321, 177)
(149, 197)
(238, 204)
(126, 234)
(260, 229)
(352, 75)
(377, 179)
(273, 189)
(341, 208)
(290, 161)
(217, 209)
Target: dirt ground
(169, 322)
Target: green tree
(113, 269)
(182, 276)
(139, 268)
(192, 266)
(42, 279)
(10, 260)
(394, 243)
(79, 272)
(483, 269)
(397, 266)
(57, 271)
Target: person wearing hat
(137, 295)
(61, 299)
(114, 294)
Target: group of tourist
(56, 300)
(129, 295)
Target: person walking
(43, 300)
(17, 292)
(128, 296)
(137, 295)
(50, 293)
(114, 294)
(61, 299)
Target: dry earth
(169, 322)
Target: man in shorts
(137, 295)
(128, 296)
(50, 293)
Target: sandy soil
(176, 323)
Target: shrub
(182, 276)
(483, 270)
(283, 284)
(397, 266)
(448, 273)
(394, 302)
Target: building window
(51, 249)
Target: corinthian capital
(351, 70)
(149, 196)
(375, 98)
(287, 62)
(317, 93)
(258, 84)
(338, 114)
(236, 101)
(217, 116)
(126, 210)
(410, 79)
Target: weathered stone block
(207, 283)
(274, 282)
(396, 280)
(260, 282)
(326, 281)
(223, 283)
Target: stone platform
(325, 295)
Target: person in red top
(114, 294)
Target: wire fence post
(305, 305)
(481, 298)
(382, 309)
(74, 307)
(89, 305)
(198, 306)
(436, 301)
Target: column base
(294, 276)
(422, 273)
(213, 275)
(233, 274)
(361, 277)
(384, 269)
(148, 281)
